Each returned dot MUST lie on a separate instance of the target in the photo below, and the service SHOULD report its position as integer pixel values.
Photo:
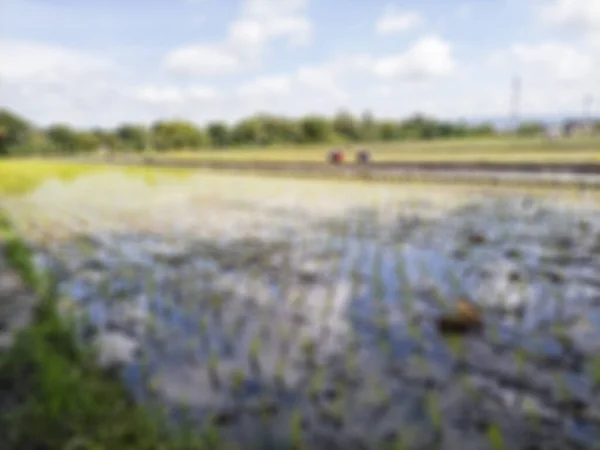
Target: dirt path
(374, 166)
(538, 174)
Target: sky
(104, 62)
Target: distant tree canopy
(14, 132)
(18, 136)
(531, 129)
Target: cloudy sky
(100, 62)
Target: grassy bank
(54, 396)
(19, 176)
(23, 176)
(503, 150)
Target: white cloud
(579, 15)
(271, 19)
(321, 80)
(594, 41)
(158, 94)
(165, 94)
(50, 83)
(428, 57)
(392, 21)
(550, 60)
(202, 59)
(266, 86)
(259, 22)
(204, 93)
(43, 63)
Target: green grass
(485, 150)
(23, 176)
(19, 176)
(55, 397)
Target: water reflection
(318, 315)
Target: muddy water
(271, 314)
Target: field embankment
(574, 162)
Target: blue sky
(103, 62)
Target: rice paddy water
(283, 312)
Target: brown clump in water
(466, 318)
(477, 238)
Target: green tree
(278, 130)
(346, 126)
(86, 141)
(106, 138)
(177, 135)
(288, 130)
(249, 131)
(530, 129)
(132, 137)
(388, 130)
(63, 138)
(218, 134)
(482, 130)
(368, 127)
(14, 132)
(315, 129)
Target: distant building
(577, 128)
(553, 133)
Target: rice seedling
(495, 437)
(381, 394)
(434, 410)
(457, 346)
(407, 293)
(296, 431)
(254, 355)
(520, 356)
(531, 410)
(351, 360)
(255, 347)
(317, 382)
(333, 412)
(277, 288)
(213, 370)
(399, 442)
(238, 377)
(470, 389)
(154, 383)
(279, 375)
(308, 347)
(379, 285)
(594, 368)
(211, 435)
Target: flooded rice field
(283, 312)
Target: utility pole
(515, 101)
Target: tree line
(19, 136)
